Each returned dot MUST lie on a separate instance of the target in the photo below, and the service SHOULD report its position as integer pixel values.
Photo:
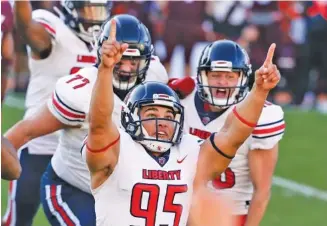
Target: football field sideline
(298, 188)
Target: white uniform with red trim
(139, 187)
(235, 181)
(70, 104)
(68, 54)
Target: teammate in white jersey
(222, 82)
(145, 173)
(57, 46)
(65, 186)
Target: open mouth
(220, 93)
(162, 135)
(125, 77)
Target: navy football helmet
(147, 94)
(223, 55)
(129, 30)
(85, 17)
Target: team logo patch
(205, 120)
(162, 160)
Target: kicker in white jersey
(143, 192)
(235, 181)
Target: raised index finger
(112, 32)
(270, 55)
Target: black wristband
(212, 136)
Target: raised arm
(221, 147)
(34, 33)
(103, 139)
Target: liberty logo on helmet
(221, 63)
(163, 96)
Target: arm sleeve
(68, 105)
(49, 21)
(156, 71)
(270, 128)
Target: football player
(222, 82)
(57, 45)
(145, 173)
(65, 185)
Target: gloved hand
(182, 86)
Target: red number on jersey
(153, 190)
(81, 81)
(170, 206)
(225, 180)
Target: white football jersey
(70, 104)
(68, 55)
(235, 181)
(142, 192)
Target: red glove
(182, 86)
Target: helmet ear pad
(223, 55)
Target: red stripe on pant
(240, 220)
(8, 221)
(58, 208)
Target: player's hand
(267, 76)
(210, 209)
(182, 86)
(112, 51)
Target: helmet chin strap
(123, 85)
(156, 146)
(153, 145)
(94, 43)
(88, 36)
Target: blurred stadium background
(181, 29)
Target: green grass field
(303, 155)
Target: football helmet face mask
(223, 56)
(85, 17)
(136, 59)
(153, 94)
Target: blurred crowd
(298, 28)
